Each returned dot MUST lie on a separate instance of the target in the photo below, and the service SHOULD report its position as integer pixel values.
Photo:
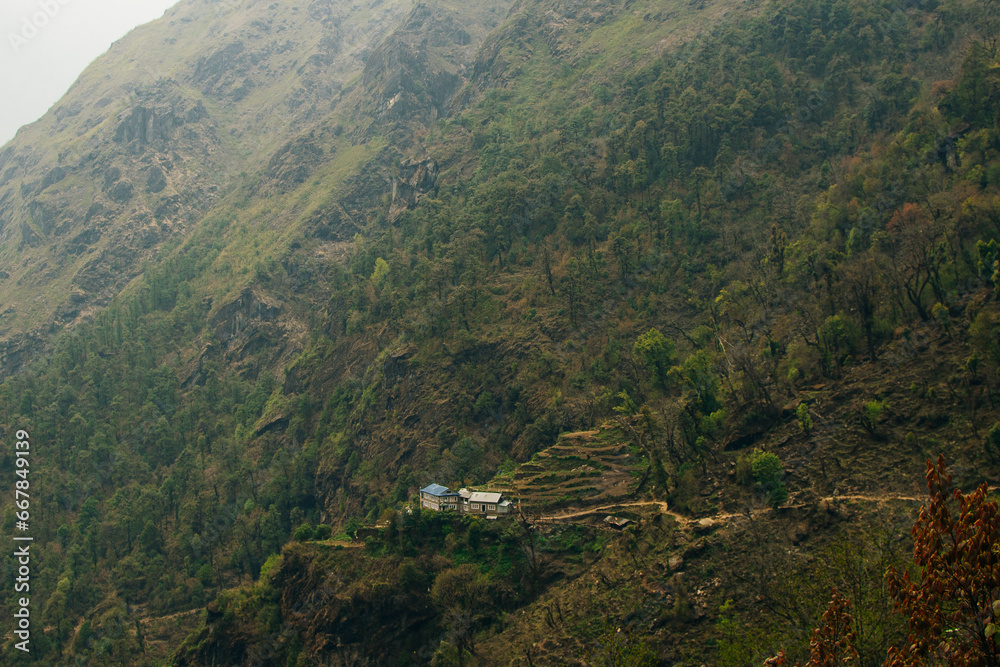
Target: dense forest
(755, 246)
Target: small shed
(618, 523)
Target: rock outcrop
(416, 179)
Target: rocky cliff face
(416, 179)
(151, 138)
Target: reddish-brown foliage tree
(957, 548)
(833, 642)
(954, 607)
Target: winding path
(680, 518)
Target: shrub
(805, 420)
(871, 414)
(766, 467)
(767, 473)
(777, 496)
(744, 471)
(955, 551)
(303, 533)
(270, 567)
(351, 527)
(712, 424)
(687, 491)
(322, 532)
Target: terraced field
(585, 468)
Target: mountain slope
(318, 257)
(154, 133)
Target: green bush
(777, 496)
(871, 414)
(805, 420)
(713, 424)
(270, 567)
(767, 474)
(303, 533)
(766, 467)
(322, 532)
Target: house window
(493, 507)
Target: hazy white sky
(45, 44)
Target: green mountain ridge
(725, 269)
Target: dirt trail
(342, 543)
(879, 498)
(664, 509)
(683, 520)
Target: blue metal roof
(435, 490)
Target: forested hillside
(269, 268)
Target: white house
(490, 504)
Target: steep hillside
(726, 269)
(165, 129)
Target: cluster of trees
(144, 478)
(791, 208)
(951, 601)
(433, 581)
